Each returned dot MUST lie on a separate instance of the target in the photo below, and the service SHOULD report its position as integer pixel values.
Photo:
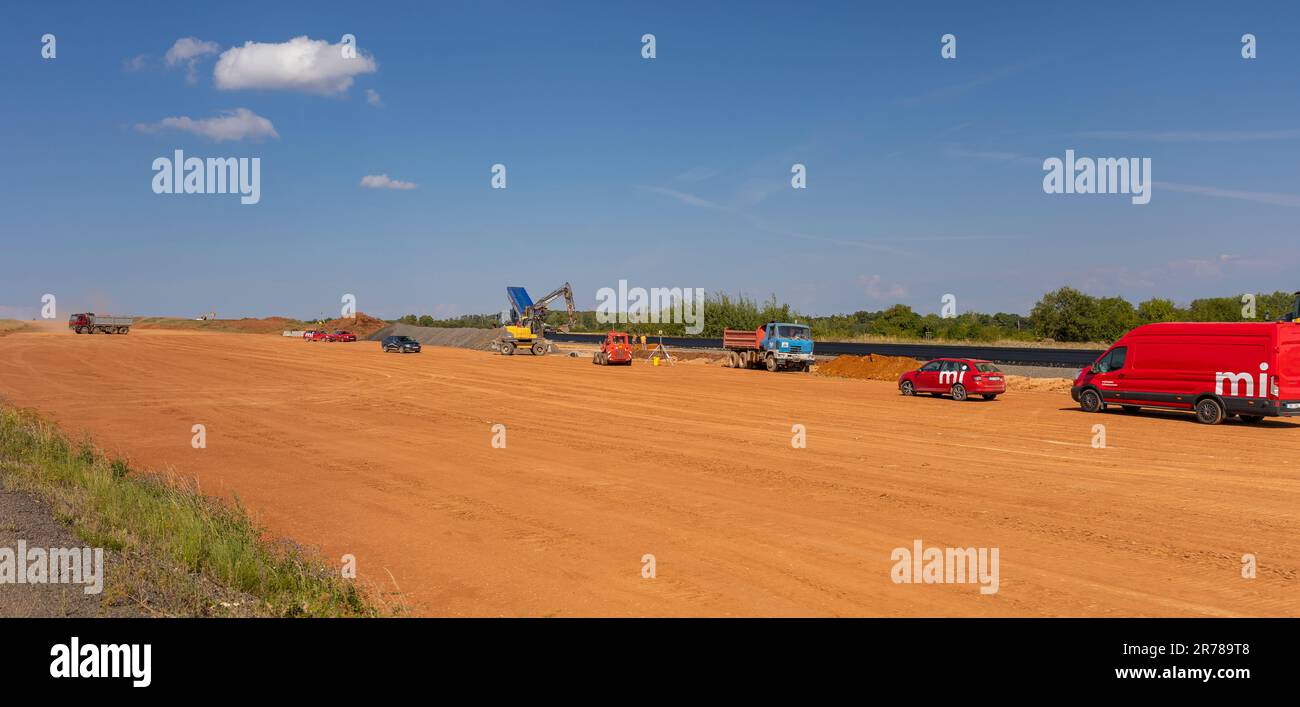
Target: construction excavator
(527, 328)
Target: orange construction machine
(614, 351)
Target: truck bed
(739, 339)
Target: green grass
(186, 554)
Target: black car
(400, 344)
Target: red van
(1251, 370)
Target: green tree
(1065, 315)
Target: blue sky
(924, 174)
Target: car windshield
(405, 340)
(986, 368)
(794, 332)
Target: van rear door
(1288, 361)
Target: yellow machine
(527, 327)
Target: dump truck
(91, 323)
(775, 346)
(527, 327)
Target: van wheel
(906, 388)
(1251, 419)
(958, 392)
(1090, 401)
(1209, 411)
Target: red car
(315, 336)
(343, 336)
(958, 377)
(1216, 370)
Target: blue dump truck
(774, 346)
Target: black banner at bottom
(222, 657)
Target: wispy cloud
(237, 124)
(136, 63)
(1194, 135)
(875, 287)
(187, 52)
(1260, 197)
(383, 181)
(372, 97)
(689, 199)
(994, 155)
(698, 174)
(947, 93)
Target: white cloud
(187, 51)
(372, 97)
(235, 124)
(383, 181)
(300, 64)
(136, 63)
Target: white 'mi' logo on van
(951, 377)
(1235, 380)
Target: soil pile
(869, 367)
(363, 325)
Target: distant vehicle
(91, 323)
(1216, 370)
(400, 344)
(614, 351)
(341, 335)
(314, 335)
(775, 346)
(958, 377)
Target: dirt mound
(869, 367)
(1046, 385)
(363, 325)
(462, 338)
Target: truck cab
(774, 346)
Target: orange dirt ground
(389, 457)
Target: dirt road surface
(389, 457)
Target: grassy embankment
(176, 552)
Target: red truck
(774, 346)
(1216, 370)
(91, 323)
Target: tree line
(1065, 315)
